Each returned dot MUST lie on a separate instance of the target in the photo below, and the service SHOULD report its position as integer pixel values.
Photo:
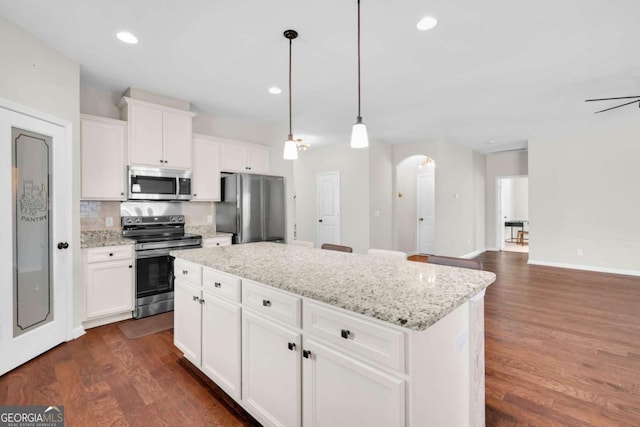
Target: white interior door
(328, 188)
(35, 231)
(427, 211)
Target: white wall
(35, 75)
(584, 194)
(508, 163)
(353, 166)
(459, 201)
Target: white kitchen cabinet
(109, 279)
(158, 135)
(344, 391)
(187, 320)
(244, 157)
(210, 242)
(206, 169)
(221, 343)
(271, 372)
(103, 162)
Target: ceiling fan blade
(609, 99)
(617, 106)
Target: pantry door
(35, 233)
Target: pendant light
(359, 137)
(290, 146)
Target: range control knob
(174, 219)
(128, 220)
(181, 218)
(138, 220)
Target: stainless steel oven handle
(152, 253)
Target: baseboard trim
(78, 332)
(412, 253)
(474, 253)
(585, 267)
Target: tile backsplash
(94, 214)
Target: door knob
(63, 245)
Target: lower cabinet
(271, 371)
(343, 391)
(221, 343)
(109, 285)
(187, 320)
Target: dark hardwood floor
(562, 349)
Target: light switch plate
(109, 221)
(209, 219)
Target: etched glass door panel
(32, 290)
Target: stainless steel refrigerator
(251, 207)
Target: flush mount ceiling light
(275, 90)
(427, 23)
(359, 136)
(127, 37)
(290, 147)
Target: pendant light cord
(359, 115)
(290, 120)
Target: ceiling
(494, 70)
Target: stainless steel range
(157, 228)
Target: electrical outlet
(209, 219)
(109, 221)
(580, 252)
(461, 341)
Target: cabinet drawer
(216, 241)
(221, 284)
(272, 303)
(109, 253)
(367, 339)
(188, 271)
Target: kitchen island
(302, 336)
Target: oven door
(154, 276)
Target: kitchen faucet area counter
(409, 294)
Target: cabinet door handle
(202, 301)
(185, 271)
(306, 354)
(292, 346)
(122, 194)
(131, 266)
(344, 333)
(195, 195)
(266, 303)
(63, 245)
(195, 298)
(217, 284)
(110, 253)
(218, 244)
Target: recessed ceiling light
(493, 141)
(427, 23)
(127, 37)
(275, 90)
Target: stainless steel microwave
(158, 184)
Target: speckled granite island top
(99, 238)
(410, 294)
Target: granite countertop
(206, 231)
(99, 238)
(410, 294)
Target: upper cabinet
(206, 168)
(158, 135)
(104, 143)
(244, 157)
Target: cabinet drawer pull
(266, 303)
(195, 298)
(131, 266)
(344, 333)
(110, 253)
(217, 284)
(292, 346)
(202, 301)
(217, 243)
(306, 354)
(185, 271)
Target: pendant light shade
(290, 146)
(359, 136)
(290, 149)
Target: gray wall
(35, 75)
